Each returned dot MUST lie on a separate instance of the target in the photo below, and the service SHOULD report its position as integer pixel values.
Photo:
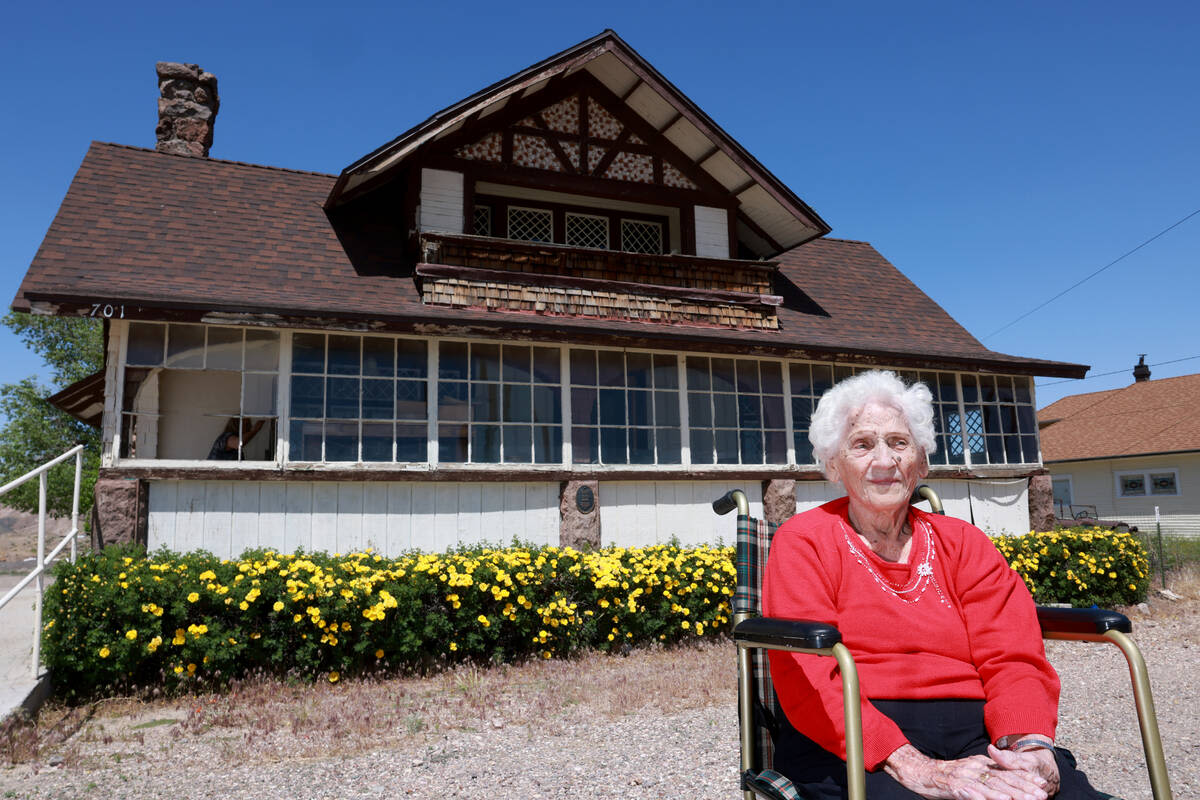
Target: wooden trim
(670, 123)
(488, 473)
(516, 245)
(628, 94)
(610, 155)
(583, 185)
(480, 275)
(752, 225)
(415, 319)
(559, 153)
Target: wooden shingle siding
(228, 518)
(556, 301)
(712, 232)
(441, 201)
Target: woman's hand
(971, 778)
(1040, 762)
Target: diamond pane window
(641, 237)
(530, 224)
(587, 230)
(482, 221)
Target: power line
(1094, 274)
(1114, 372)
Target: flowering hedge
(119, 617)
(1080, 566)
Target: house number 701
(107, 310)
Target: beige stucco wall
(1095, 483)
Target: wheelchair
(758, 706)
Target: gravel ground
(595, 728)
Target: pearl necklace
(922, 578)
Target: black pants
(941, 729)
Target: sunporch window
(187, 387)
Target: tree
(35, 431)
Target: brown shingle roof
(1158, 416)
(169, 232)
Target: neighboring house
(1123, 453)
(568, 309)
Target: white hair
(839, 405)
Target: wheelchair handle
(925, 492)
(735, 498)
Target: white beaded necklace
(922, 577)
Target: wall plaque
(585, 499)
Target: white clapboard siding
(712, 232)
(441, 201)
(636, 513)
(227, 518)
(1000, 506)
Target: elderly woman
(958, 698)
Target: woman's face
(878, 461)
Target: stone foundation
(120, 512)
(779, 500)
(1041, 503)
(578, 528)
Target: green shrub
(118, 617)
(1080, 566)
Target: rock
(779, 500)
(1167, 593)
(579, 528)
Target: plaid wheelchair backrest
(753, 544)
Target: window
(641, 237)
(186, 386)
(577, 226)
(624, 408)
(1148, 483)
(808, 383)
(358, 398)
(735, 411)
(499, 404)
(530, 224)
(587, 230)
(1000, 424)
(1063, 496)
(482, 221)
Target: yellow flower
(379, 654)
(334, 677)
(104, 651)
(191, 668)
(484, 621)
(193, 597)
(453, 646)
(131, 634)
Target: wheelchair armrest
(769, 632)
(1082, 620)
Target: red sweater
(962, 627)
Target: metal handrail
(42, 557)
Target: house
(1125, 453)
(566, 309)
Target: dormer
(585, 185)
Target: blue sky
(996, 153)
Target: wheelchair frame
(752, 631)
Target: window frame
(1146, 474)
(795, 430)
(500, 206)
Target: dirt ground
(19, 534)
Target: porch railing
(44, 558)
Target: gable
(582, 130)
(767, 215)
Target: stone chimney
(1141, 372)
(187, 109)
